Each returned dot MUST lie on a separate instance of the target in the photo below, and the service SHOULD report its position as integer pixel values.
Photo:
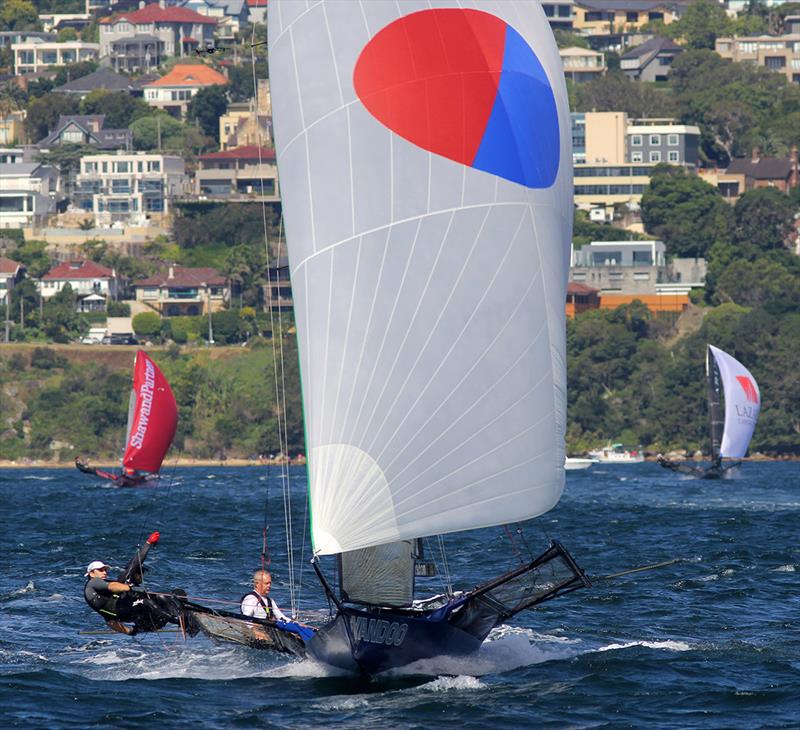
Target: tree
(34, 255)
(60, 321)
(764, 218)
(616, 92)
(73, 71)
(702, 23)
(67, 158)
(18, 15)
(119, 107)
(43, 113)
(206, 107)
(760, 283)
(67, 34)
(146, 324)
(687, 213)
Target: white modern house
(36, 55)
(28, 194)
(129, 187)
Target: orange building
(581, 298)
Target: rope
(640, 569)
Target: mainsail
(426, 182)
(742, 404)
(152, 417)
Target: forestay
(742, 404)
(428, 263)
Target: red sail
(152, 420)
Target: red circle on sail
(432, 77)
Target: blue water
(711, 641)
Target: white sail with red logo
(742, 404)
(152, 418)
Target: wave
(667, 645)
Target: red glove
(153, 539)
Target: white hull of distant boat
(575, 464)
(615, 455)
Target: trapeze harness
(266, 605)
(105, 605)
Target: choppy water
(711, 641)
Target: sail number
(377, 631)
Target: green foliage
(73, 71)
(174, 136)
(34, 255)
(764, 218)
(118, 309)
(147, 324)
(585, 231)
(45, 358)
(67, 34)
(240, 80)
(184, 329)
(616, 92)
(687, 213)
(119, 107)
(18, 15)
(206, 107)
(91, 32)
(702, 23)
(60, 321)
(565, 39)
(43, 113)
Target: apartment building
(614, 156)
(780, 54)
(174, 91)
(37, 55)
(582, 64)
(133, 188)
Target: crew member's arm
(276, 612)
(119, 627)
(117, 587)
(249, 605)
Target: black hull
(715, 470)
(371, 639)
(374, 641)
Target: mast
(715, 414)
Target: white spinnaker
(429, 297)
(742, 404)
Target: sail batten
(428, 239)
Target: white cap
(95, 565)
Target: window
(775, 63)
(673, 156)
(122, 167)
(631, 17)
(655, 156)
(642, 258)
(672, 140)
(150, 292)
(655, 140)
(636, 140)
(578, 275)
(636, 156)
(641, 276)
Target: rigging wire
(280, 396)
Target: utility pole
(8, 308)
(21, 313)
(210, 327)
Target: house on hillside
(243, 173)
(141, 40)
(184, 291)
(174, 91)
(757, 171)
(11, 273)
(93, 283)
(651, 61)
(87, 129)
(28, 194)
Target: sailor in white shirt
(257, 603)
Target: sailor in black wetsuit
(122, 601)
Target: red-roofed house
(140, 40)
(94, 283)
(242, 173)
(173, 91)
(11, 273)
(182, 291)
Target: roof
(7, 266)
(657, 44)
(249, 152)
(154, 13)
(19, 169)
(104, 139)
(184, 277)
(574, 287)
(577, 51)
(766, 168)
(256, 3)
(197, 74)
(103, 78)
(78, 269)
